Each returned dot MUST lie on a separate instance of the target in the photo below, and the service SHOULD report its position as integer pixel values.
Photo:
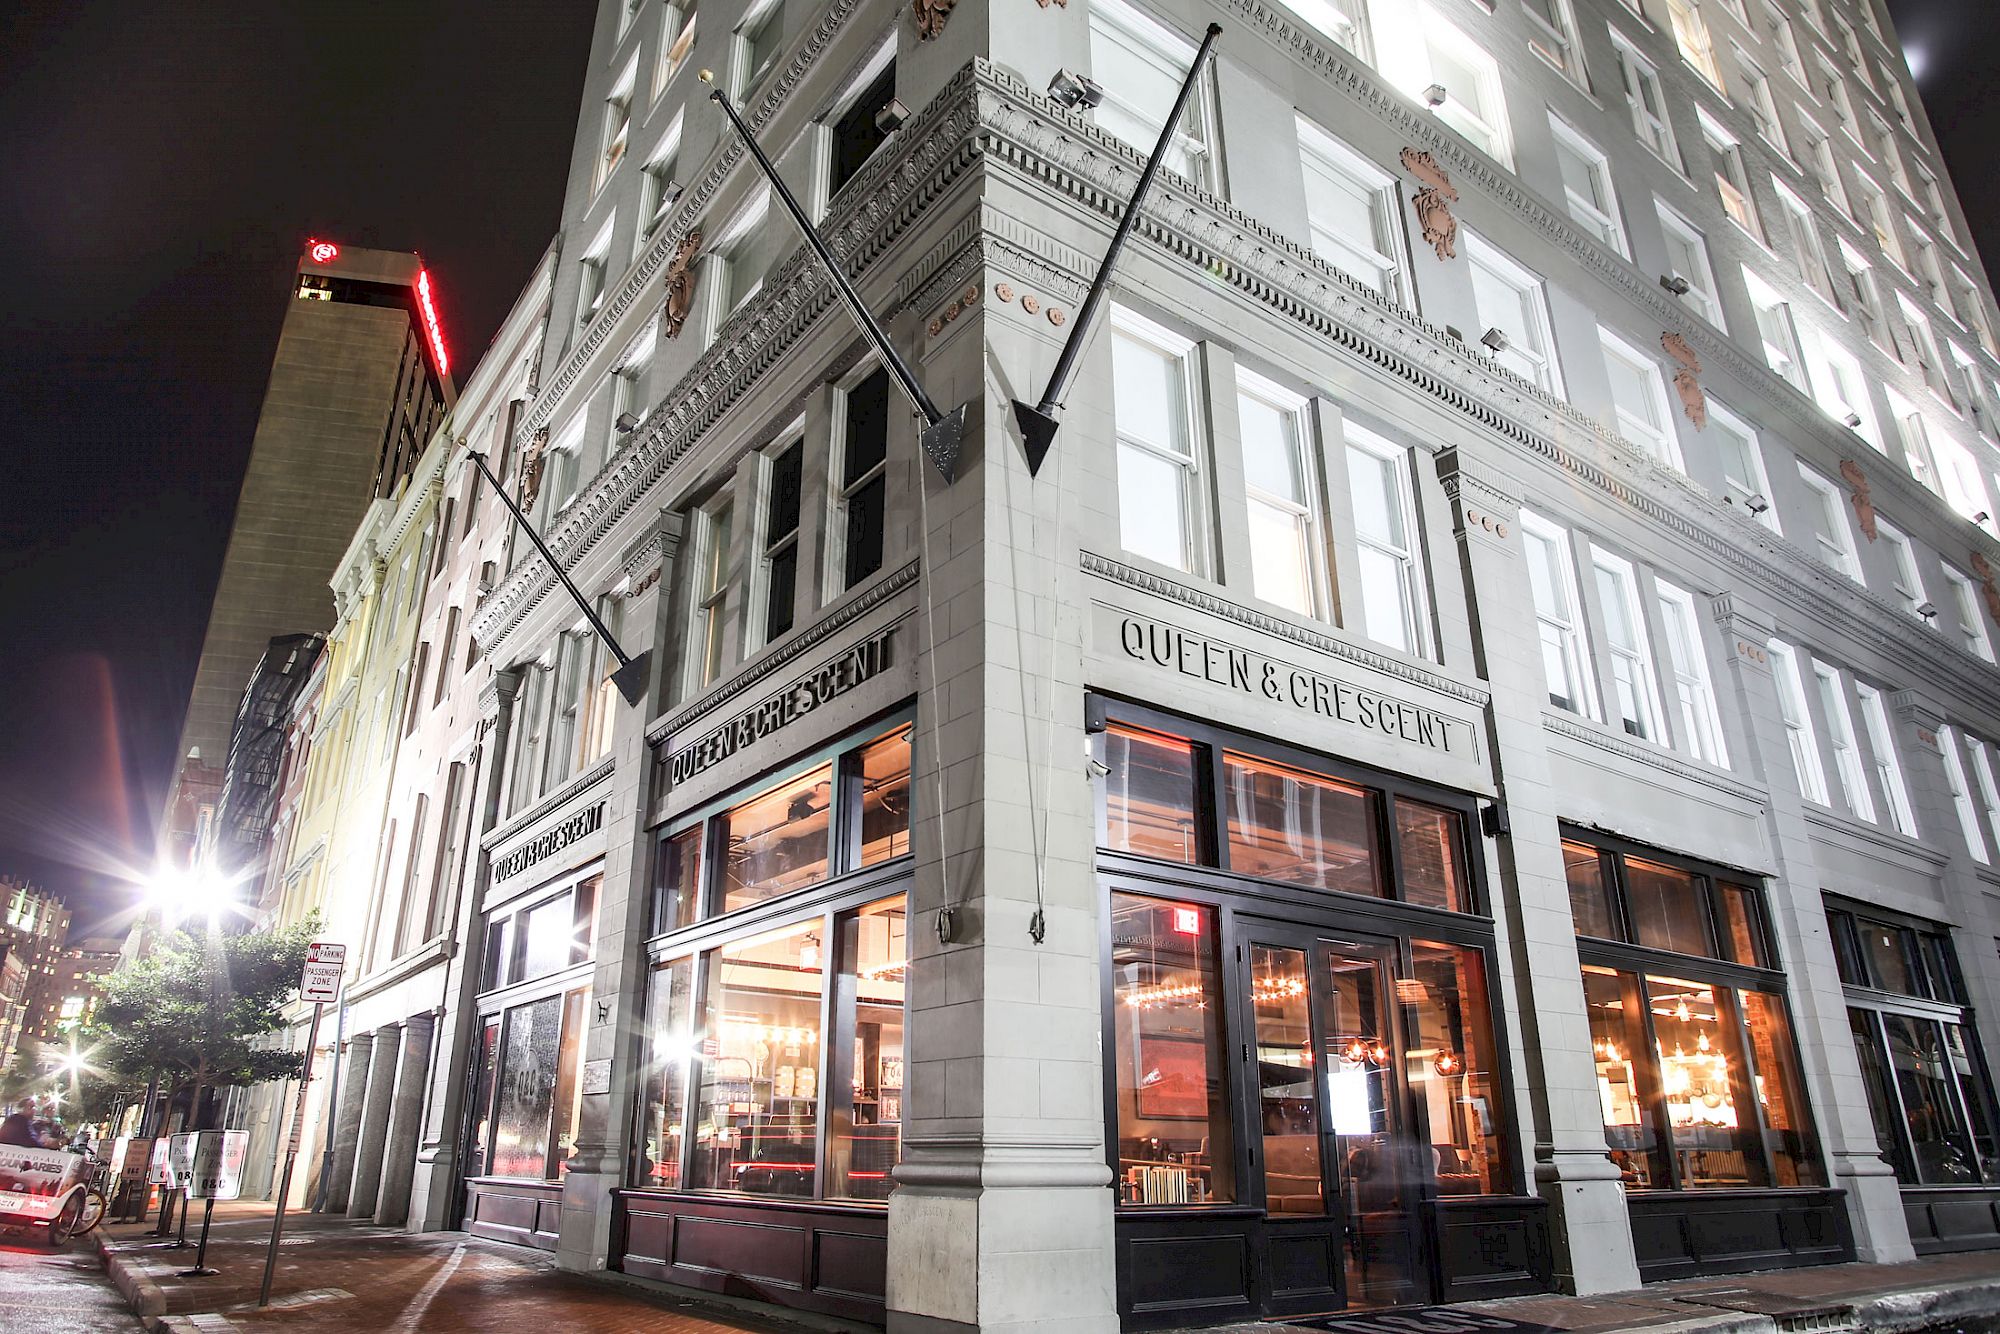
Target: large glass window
(1278, 494)
(669, 1052)
(527, 1126)
(1639, 399)
(883, 770)
(1149, 796)
(1452, 1068)
(1173, 1121)
(1667, 908)
(1430, 842)
(864, 1126)
(1589, 892)
(777, 841)
(1286, 824)
(1378, 476)
(547, 936)
(1156, 452)
(1618, 1043)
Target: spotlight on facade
(1927, 610)
(890, 117)
(1075, 90)
(626, 423)
(670, 194)
(1982, 517)
(1495, 339)
(1853, 420)
(1676, 284)
(1756, 504)
(1434, 96)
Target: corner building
(1465, 774)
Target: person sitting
(18, 1129)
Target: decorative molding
(1864, 508)
(1856, 831)
(1470, 482)
(533, 456)
(680, 283)
(1687, 380)
(1651, 757)
(930, 16)
(843, 615)
(1983, 568)
(568, 792)
(1433, 202)
(1201, 600)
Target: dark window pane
(865, 447)
(479, 1154)
(1743, 924)
(499, 953)
(1940, 968)
(781, 515)
(777, 842)
(1788, 1123)
(1924, 1076)
(780, 591)
(677, 893)
(663, 1115)
(855, 134)
(1666, 907)
(1149, 800)
(1452, 1069)
(864, 530)
(1881, 1097)
(1286, 824)
(885, 797)
(1430, 839)
(1975, 1094)
(1707, 1084)
(867, 441)
(1627, 1079)
(1589, 903)
(1888, 951)
(864, 1138)
(1848, 955)
(1174, 1144)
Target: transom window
(1152, 383)
(1141, 65)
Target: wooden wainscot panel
(831, 1259)
(521, 1212)
(1494, 1248)
(1177, 1270)
(1681, 1234)
(1953, 1218)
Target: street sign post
(215, 1172)
(319, 985)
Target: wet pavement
(58, 1292)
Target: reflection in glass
(663, 1115)
(1433, 864)
(1450, 1066)
(1888, 953)
(1149, 804)
(1287, 1081)
(756, 1111)
(885, 797)
(1588, 903)
(478, 1159)
(677, 895)
(1881, 1094)
(1286, 824)
(1788, 1133)
(864, 1137)
(1746, 941)
(1666, 906)
(536, 1093)
(1972, 1092)
(1624, 1076)
(1382, 1169)
(1704, 1078)
(1174, 1143)
(778, 841)
(1924, 1076)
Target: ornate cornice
(839, 618)
(1213, 604)
(568, 792)
(1652, 757)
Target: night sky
(160, 167)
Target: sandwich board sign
(158, 1171)
(319, 982)
(180, 1159)
(217, 1172)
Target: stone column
(374, 1136)
(434, 1191)
(1832, 1074)
(1556, 1084)
(347, 1120)
(406, 1109)
(618, 982)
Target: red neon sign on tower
(322, 252)
(431, 325)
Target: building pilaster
(399, 1155)
(347, 1128)
(374, 1135)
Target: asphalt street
(58, 1292)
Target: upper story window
(742, 258)
(1142, 64)
(1833, 91)
(1906, 581)
(1842, 389)
(1511, 299)
(1553, 37)
(530, 733)
(1916, 441)
(1558, 614)
(1742, 459)
(1965, 611)
(1821, 165)
(1621, 895)
(1153, 386)
(1635, 690)
(1698, 720)
(677, 29)
(1691, 36)
(1761, 101)
(1732, 183)
(1786, 39)
(1840, 734)
(859, 129)
(1392, 585)
(1687, 259)
(1639, 398)
(1646, 102)
(1800, 736)
(1963, 490)
(1776, 331)
(1863, 297)
(1961, 795)
(617, 132)
(1984, 780)
(593, 277)
(1418, 49)
(1279, 491)
(778, 539)
(1345, 21)
(662, 189)
(707, 621)
(1881, 220)
(1888, 765)
(1586, 179)
(760, 39)
(1826, 517)
(1807, 250)
(861, 500)
(1351, 213)
(546, 936)
(1924, 348)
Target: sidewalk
(337, 1275)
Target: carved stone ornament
(1060, 4)
(1433, 202)
(680, 285)
(1984, 569)
(1687, 380)
(531, 467)
(931, 15)
(1864, 508)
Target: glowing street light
(180, 893)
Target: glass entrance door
(1342, 1179)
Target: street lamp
(178, 893)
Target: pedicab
(48, 1191)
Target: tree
(191, 1012)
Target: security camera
(890, 117)
(1495, 339)
(1075, 90)
(1434, 96)
(1676, 284)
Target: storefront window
(478, 1158)
(1588, 902)
(1451, 1066)
(663, 1117)
(1430, 842)
(1666, 905)
(778, 841)
(864, 1136)
(678, 893)
(1287, 1081)
(1286, 824)
(545, 937)
(756, 1114)
(1926, 1079)
(1882, 1105)
(1781, 1094)
(1744, 925)
(535, 1091)
(1702, 1075)
(1618, 1041)
(885, 797)
(1174, 1144)
(1149, 801)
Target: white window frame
(1602, 222)
(1130, 325)
(1778, 332)
(1146, 38)
(742, 232)
(1565, 624)
(1847, 764)
(1701, 295)
(708, 593)
(1661, 443)
(1637, 75)
(679, 24)
(1343, 21)
(615, 139)
(1800, 734)
(1888, 765)
(660, 168)
(1700, 730)
(1532, 346)
(1760, 100)
(1989, 790)
(1907, 581)
(1739, 490)
(1406, 37)
(749, 30)
(1343, 168)
(1732, 177)
(1692, 39)
(1806, 246)
(1301, 513)
(1553, 37)
(1913, 432)
(1641, 679)
(1413, 603)
(1833, 537)
(1972, 634)
(1840, 387)
(593, 278)
(1961, 795)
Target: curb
(1920, 1307)
(146, 1298)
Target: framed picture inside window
(1173, 1077)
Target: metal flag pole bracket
(943, 433)
(1038, 422)
(630, 678)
